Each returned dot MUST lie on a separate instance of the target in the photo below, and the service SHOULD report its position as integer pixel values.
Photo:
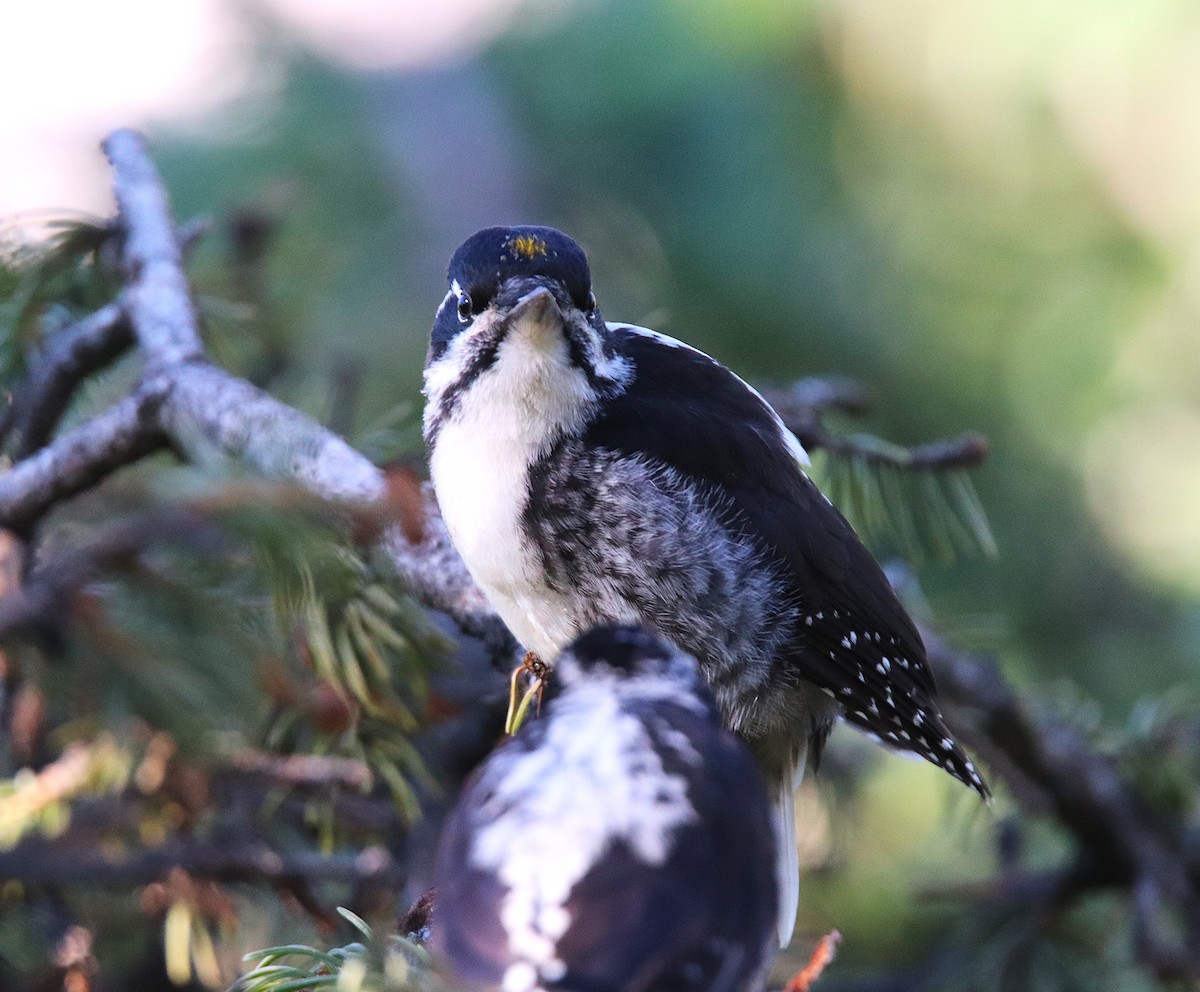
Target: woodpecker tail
(787, 864)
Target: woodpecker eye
(590, 305)
(465, 308)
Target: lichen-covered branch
(201, 409)
(164, 317)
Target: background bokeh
(988, 213)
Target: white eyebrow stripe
(789, 439)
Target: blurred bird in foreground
(620, 843)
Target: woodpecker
(622, 842)
(593, 472)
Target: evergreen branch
(1119, 842)
(913, 498)
(242, 421)
(803, 407)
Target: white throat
(504, 422)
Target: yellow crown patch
(527, 246)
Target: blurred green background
(988, 213)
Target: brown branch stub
(821, 958)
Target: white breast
(509, 417)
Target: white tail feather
(787, 865)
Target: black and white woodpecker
(621, 843)
(593, 472)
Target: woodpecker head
(623, 654)
(519, 297)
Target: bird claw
(533, 666)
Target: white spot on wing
(520, 976)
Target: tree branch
(804, 405)
(164, 317)
(228, 414)
(64, 360)
(124, 433)
(1119, 841)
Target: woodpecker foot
(518, 703)
(822, 958)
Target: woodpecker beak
(537, 316)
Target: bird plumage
(621, 843)
(593, 472)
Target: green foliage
(58, 278)
(394, 964)
(916, 512)
(374, 648)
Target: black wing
(467, 928)
(853, 636)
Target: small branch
(804, 405)
(817, 395)
(39, 861)
(78, 459)
(968, 450)
(163, 314)
(65, 359)
(304, 769)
